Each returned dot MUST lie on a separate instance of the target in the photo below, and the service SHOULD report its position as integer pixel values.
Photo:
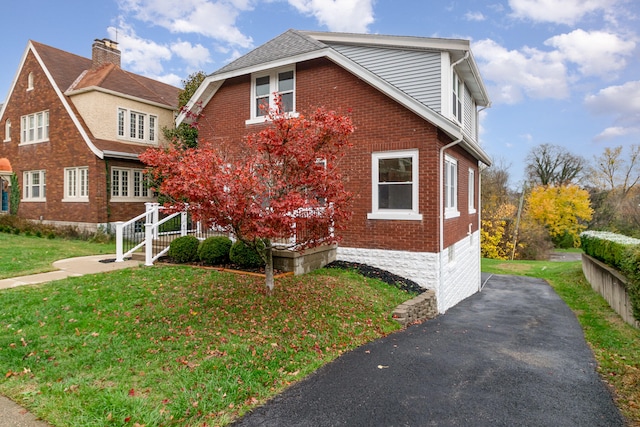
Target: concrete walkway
(71, 267)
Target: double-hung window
(128, 184)
(137, 126)
(76, 184)
(450, 187)
(264, 86)
(34, 186)
(395, 185)
(34, 127)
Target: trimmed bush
(215, 250)
(245, 256)
(184, 249)
(620, 252)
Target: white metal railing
(155, 234)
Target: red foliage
(288, 184)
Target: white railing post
(119, 242)
(183, 223)
(148, 244)
(153, 210)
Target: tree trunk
(268, 268)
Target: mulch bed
(376, 273)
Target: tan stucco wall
(100, 112)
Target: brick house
(414, 165)
(72, 130)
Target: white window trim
(395, 214)
(27, 186)
(457, 104)
(24, 128)
(148, 131)
(452, 210)
(30, 81)
(472, 191)
(80, 172)
(130, 186)
(273, 89)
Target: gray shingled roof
(288, 44)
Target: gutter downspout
(441, 183)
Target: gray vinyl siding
(416, 73)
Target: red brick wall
(381, 125)
(65, 148)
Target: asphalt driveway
(512, 355)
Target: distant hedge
(620, 252)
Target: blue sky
(563, 72)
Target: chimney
(105, 51)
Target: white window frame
(457, 104)
(450, 187)
(136, 185)
(274, 89)
(28, 186)
(472, 191)
(30, 81)
(7, 130)
(124, 126)
(76, 184)
(34, 128)
(412, 214)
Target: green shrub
(245, 256)
(620, 252)
(214, 250)
(184, 249)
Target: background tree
(286, 177)
(563, 210)
(549, 164)
(614, 178)
(498, 212)
(185, 135)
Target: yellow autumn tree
(563, 210)
(496, 235)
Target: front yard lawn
(178, 345)
(22, 255)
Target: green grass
(22, 255)
(178, 345)
(615, 344)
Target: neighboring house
(72, 130)
(415, 163)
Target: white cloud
(623, 102)
(196, 56)
(338, 15)
(138, 55)
(474, 16)
(215, 19)
(597, 53)
(514, 73)
(559, 11)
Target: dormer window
(137, 126)
(30, 81)
(265, 86)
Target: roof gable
(289, 44)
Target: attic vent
(105, 51)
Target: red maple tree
(281, 189)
